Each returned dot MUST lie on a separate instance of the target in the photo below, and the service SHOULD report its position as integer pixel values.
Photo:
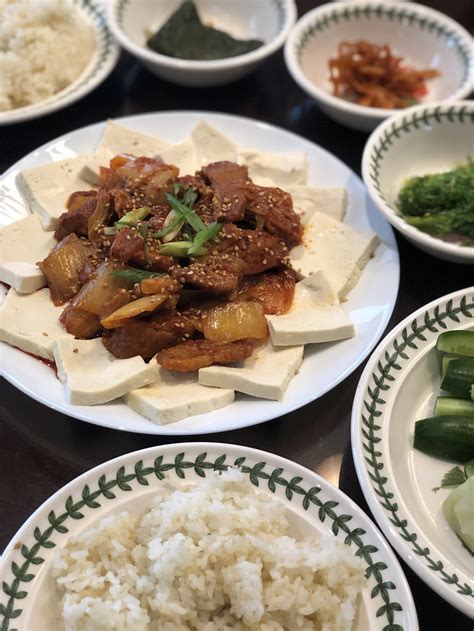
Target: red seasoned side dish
(184, 268)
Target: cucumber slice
(459, 377)
(446, 406)
(458, 508)
(469, 469)
(448, 437)
(445, 362)
(457, 342)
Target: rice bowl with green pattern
(421, 140)
(313, 507)
(423, 37)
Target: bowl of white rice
(52, 53)
(205, 537)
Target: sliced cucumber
(459, 377)
(458, 508)
(445, 363)
(457, 342)
(446, 406)
(449, 437)
(469, 469)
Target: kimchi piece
(368, 74)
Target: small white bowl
(425, 38)
(417, 141)
(101, 64)
(268, 20)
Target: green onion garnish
(135, 275)
(131, 218)
(185, 212)
(180, 248)
(203, 236)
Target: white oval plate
(398, 386)
(370, 304)
(97, 70)
(130, 481)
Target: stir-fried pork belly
(183, 268)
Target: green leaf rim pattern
(278, 4)
(453, 114)
(434, 321)
(16, 589)
(403, 15)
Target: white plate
(128, 482)
(399, 386)
(369, 305)
(97, 70)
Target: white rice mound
(44, 46)
(211, 557)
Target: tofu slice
(182, 155)
(211, 145)
(31, 322)
(276, 169)
(91, 375)
(176, 396)
(266, 374)
(307, 200)
(46, 188)
(312, 318)
(22, 244)
(334, 248)
(118, 139)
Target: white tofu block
(307, 200)
(334, 248)
(24, 277)
(118, 139)
(183, 156)
(91, 375)
(31, 322)
(266, 374)
(211, 145)
(24, 242)
(277, 169)
(46, 188)
(176, 396)
(309, 320)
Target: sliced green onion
(180, 248)
(203, 236)
(131, 218)
(186, 213)
(135, 275)
(170, 226)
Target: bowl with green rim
(421, 140)
(424, 38)
(132, 22)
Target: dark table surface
(55, 449)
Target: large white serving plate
(399, 386)
(28, 599)
(369, 305)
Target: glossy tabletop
(41, 450)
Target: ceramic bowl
(97, 70)
(425, 38)
(417, 141)
(399, 385)
(131, 22)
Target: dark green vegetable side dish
(184, 36)
(442, 204)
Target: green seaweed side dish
(441, 204)
(184, 36)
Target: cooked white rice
(211, 557)
(44, 46)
